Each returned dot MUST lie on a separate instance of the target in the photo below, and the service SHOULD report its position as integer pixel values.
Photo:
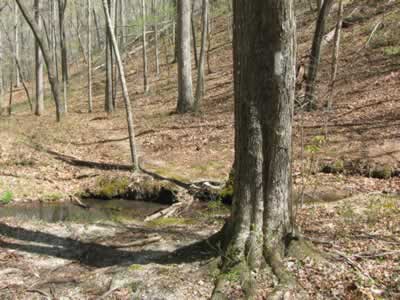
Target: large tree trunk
(129, 115)
(39, 103)
(261, 225)
(316, 54)
(46, 56)
(200, 70)
(185, 93)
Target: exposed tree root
(286, 287)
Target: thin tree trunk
(200, 71)
(28, 96)
(39, 103)
(1, 78)
(145, 79)
(109, 107)
(193, 23)
(89, 55)
(185, 92)
(11, 94)
(114, 17)
(209, 32)
(315, 55)
(96, 22)
(335, 53)
(16, 44)
(156, 46)
(129, 115)
(62, 5)
(46, 56)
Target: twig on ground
(39, 292)
(169, 211)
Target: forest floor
(351, 211)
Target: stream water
(99, 210)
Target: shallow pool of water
(99, 210)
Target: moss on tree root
(273, 267)
(145, 189)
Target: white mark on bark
(278, 63)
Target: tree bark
(39, 101)
(89, 55)
(200, 70)
(193, 23)
(335, 53)
(109, 107)
(129, 115)
(145, 79)
(46, 56)
(156, 46)
(62, 5)
(261, 225)
(185, 93)
(1, 77)
(16, 44)
(316, 54)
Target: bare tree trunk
(335, 53)
(11, 94)
(28, 96)
(46, 56)
(16, 44)
(200, 70)
(261, 227)
(209, 32)
(193, 23)
(115, 75)
(109, 107)
(96, 22)
(185, 93)
(145, 80)
(39, 103)
(89, 55)
(123, 31)
(315, 55)
(62, 5)
(1, 77)
(129, 115)
(156, 46)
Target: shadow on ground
(97, 255)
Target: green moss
(338, 166)
(6, 197)
(52, 197)
(391, 51)
(108, 188)
(164, 222)
(135, 267)
(226, 194)
(382, 172)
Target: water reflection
(67, 212)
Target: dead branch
(169, 211)
(39, 292)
